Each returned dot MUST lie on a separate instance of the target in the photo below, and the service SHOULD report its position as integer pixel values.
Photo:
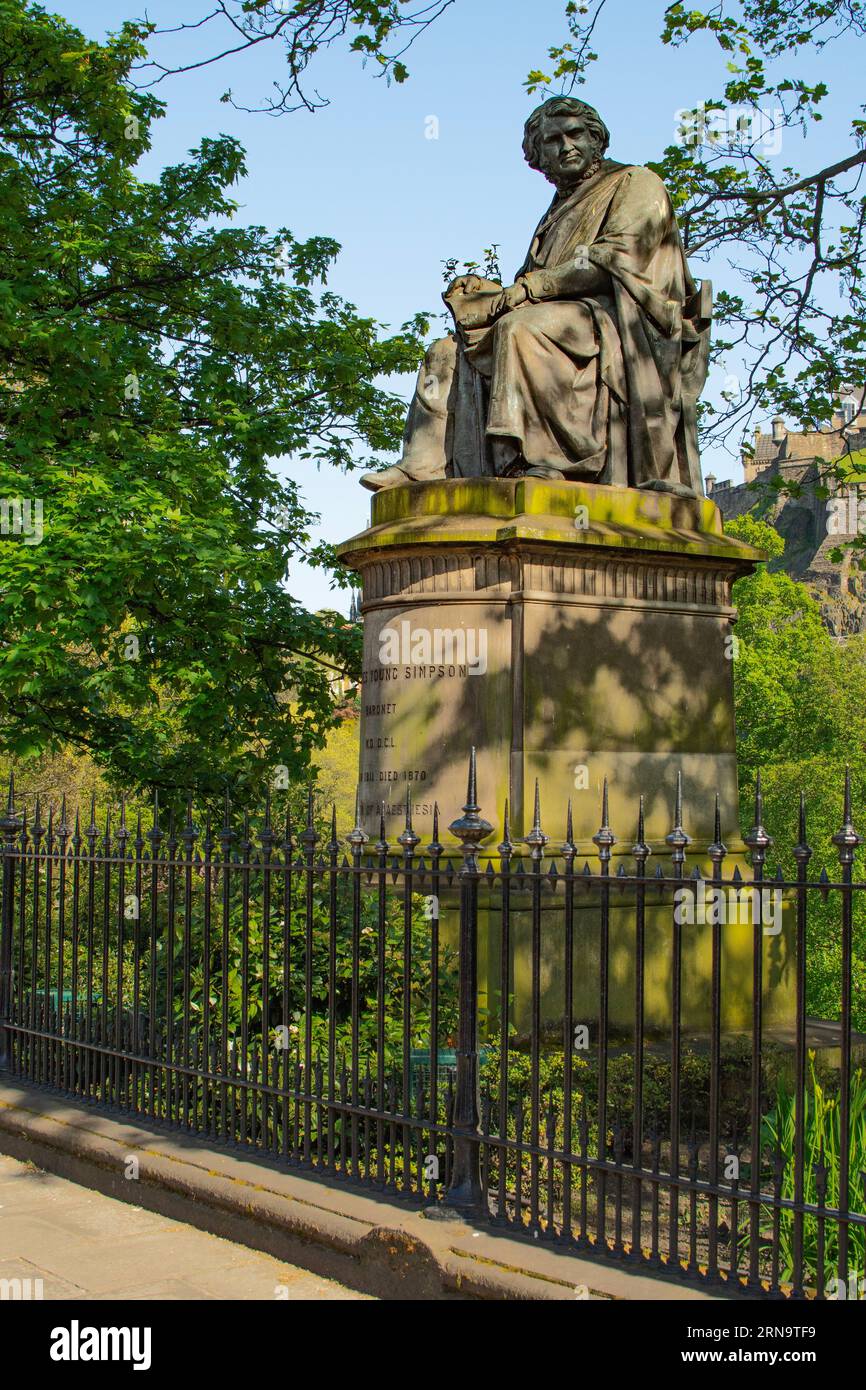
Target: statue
(590, 365)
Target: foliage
(156, 360)
(381, 31)
(800, 700)
(821, 1151)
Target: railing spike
(357, 838)
(847, 793)
(382, 843)
(536, 839)
(569, 848)
(506, 848)
(604, 837)
(846, 839)
(435, 848)
(408, 839)
(471, 828)
(640, 849)
(472, 786)
(802, 849)
(123, 834)
(718, 849)
(758, 840)
(678, 840)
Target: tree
(155, 360)
(800, 700)
(381, 31)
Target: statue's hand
(466, 284)
(510, 298)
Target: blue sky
(363, 170)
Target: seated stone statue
(589, 366)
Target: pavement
(346, 1236)
(72, 1243)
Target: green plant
(821, 1153)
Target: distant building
(811, 525)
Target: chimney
(780, 434)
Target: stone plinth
(570, 632)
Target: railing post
(9, 828)
(465, 1189)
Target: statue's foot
(544, 470)
(662, 485)
(385, 477)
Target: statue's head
(564, 138)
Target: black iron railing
(321, 1003)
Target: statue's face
(567, 147)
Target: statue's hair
(561, 106)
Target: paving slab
(360, 1239)
(94, 1247)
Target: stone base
(573, 634)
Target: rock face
(812, 527)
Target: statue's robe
(600, 385)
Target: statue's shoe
(662, 485)
(544, 470)
(385, 477)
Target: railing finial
(678, 839)
(604, 837)
(357, 838)
(536, 839)
(408, 839)
(471, 828)
(640, 849)
(846, 839)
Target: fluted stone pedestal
(572, 634)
